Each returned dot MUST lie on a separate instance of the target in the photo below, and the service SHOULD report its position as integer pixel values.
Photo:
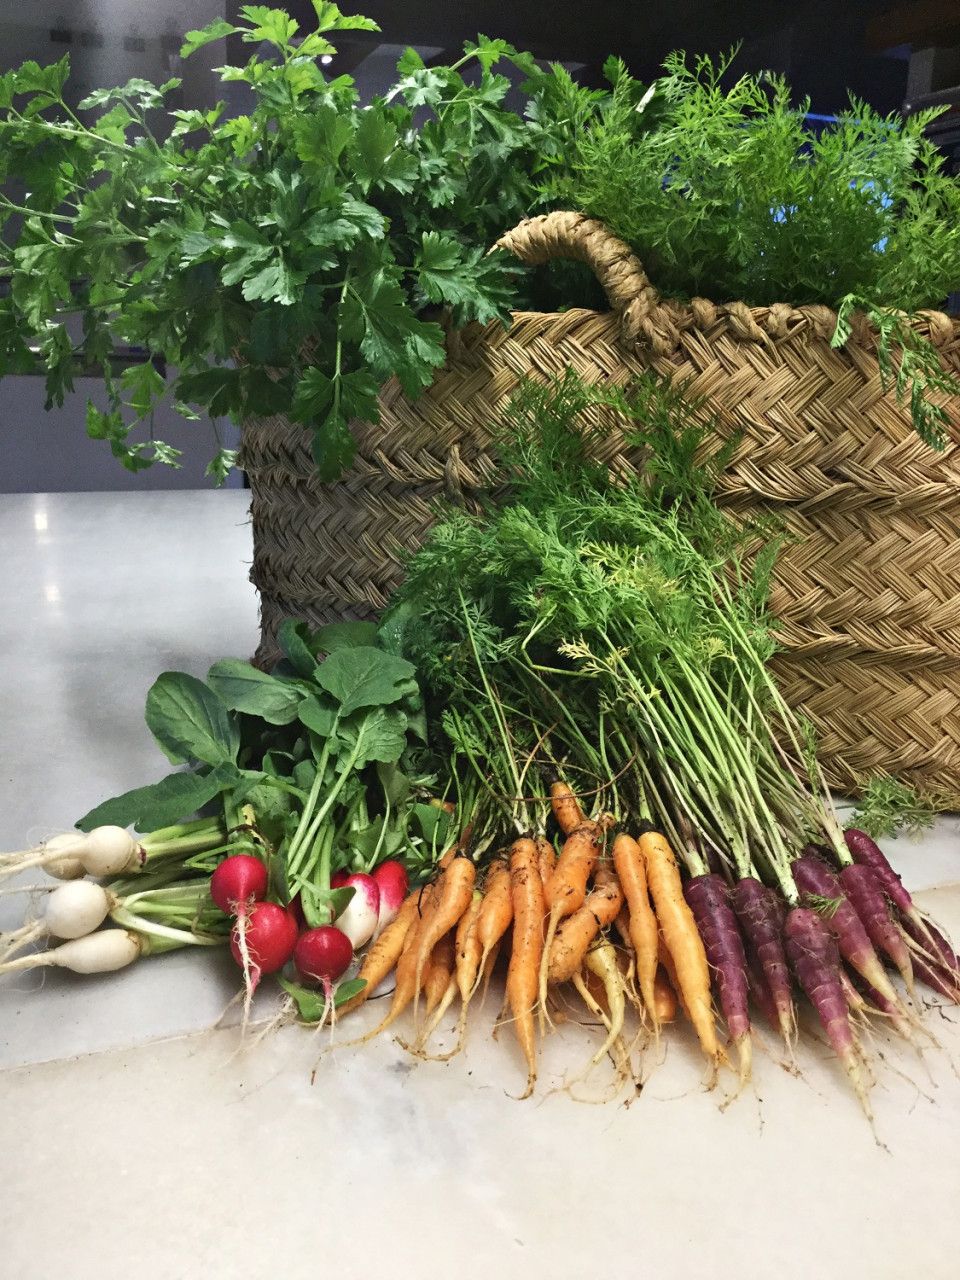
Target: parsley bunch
(285, 261)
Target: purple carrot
(869, 854)
(869, 901)
(936, 979)
(760, 912)
(813, 954)
(945, 953)
(759, 989)
(709, 899)
(929, 958)
(872, 1001)
(814, 879)
(820, 851)
(855, 1001)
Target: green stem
(181, 936)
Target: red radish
(816, 880)
(815, 959)
(394, 885)
(708, 898)
(760, 912)
(295, 907)
(863, 889)
(237, 883)
(236, 886)
(268, 941)
(358, 919)
(339, 879)
(323, 955)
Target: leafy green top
(324, 750)
(282, 261)
(734, 196)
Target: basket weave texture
(868, 589)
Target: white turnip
(104, 851)
(100, 952)
(71, 911)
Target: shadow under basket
(867, 589)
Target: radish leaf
(344, 635)
(162, 803)
(365, 677)
(242, 687)
(294, 638)
(190, 722)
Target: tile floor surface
(137, 1141)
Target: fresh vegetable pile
(563, 735)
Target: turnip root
(104, 851)
(71, 911)
(64, 865)
(100, 952)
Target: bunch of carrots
(612, 916)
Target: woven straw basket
(868, 593)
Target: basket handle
(643, 316)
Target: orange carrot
(566, 889)
(681, 937)
(575, 934)
(496, 910)
(528, 910)
(456, 890)
(566, 808)
(664, 997)
(547, 857)
(385, 952)
(409, 978)
(628, 861)
(439, 971)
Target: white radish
(65, 864)
(110, 851)
(358, 919)
(100, 952)
(104, 851)
(72, 911)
